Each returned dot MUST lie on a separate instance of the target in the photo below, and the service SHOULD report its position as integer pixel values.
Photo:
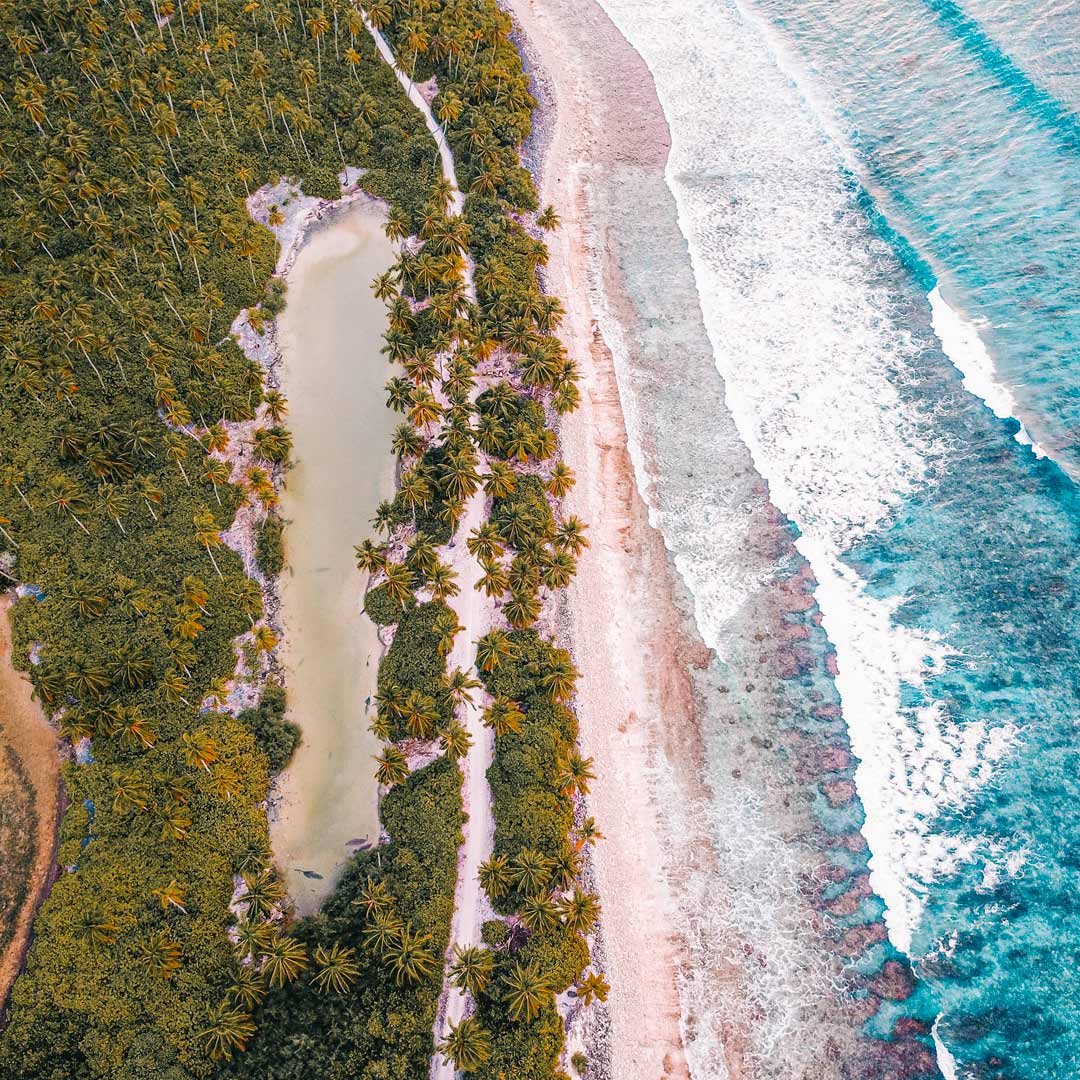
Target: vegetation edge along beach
(166, 948)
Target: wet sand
(29, 792)
(333, 375)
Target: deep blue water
(962, 128)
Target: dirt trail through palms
(470, 907)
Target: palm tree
(522, 610)
(96, 928)
(171, 895)
(458, 685)
(383, 931)
(251, 937)
(493, 650)
(496, 878)
(317, 26)
(570, 536)
(229, 1029)
(415, 491)
(206, 533)
(263, 894)
(485, 542)
(407, 441)
(132, 792)
(411, 957)
(447, 628)
(337, 969)
(198, 749)
(503, 716)
(283, 959)
(593, 987)
(500, 480)
(471, 968)
(467, 1046)
(65, 496)
(579, 911)
(530, 871)
(420, 715)
(370, 556)
(561, 480)
(574, 774)
(393, 766)
(247, 988)
(454, 740)
(548, 219)
(587, 833)
(399, 582)
(538, 913)
(494, 581)
(526, 991)
(160, 954)
(374, 897)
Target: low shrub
(274, 735)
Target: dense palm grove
(132, 134)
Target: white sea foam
(962, 343)
(812, 355)
(946, 1062)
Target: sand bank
(29, 794)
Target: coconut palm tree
(370, 556)
(336, 970)
(496, 878)
(252, 937)
(538, 913)
(485, 542)
(383, 931)
(522, 610)
(96, 928)
(283, 958)
(561, 480)
(159, 954)
(458, 685)
(503, 716)
(574, 774)
(442, 583)
(247, 988)
(530, 871)
(374, 897)
(579, 911)
(411, 956)
(493, 650)
(229, 1029)
(587, 833)
(526, 991)
(570, 536)
(66, 497)
(399, 582)
(547, 219)
(500, 480)
(467, 1046)
(171, 895)
(494, 580)
(593, 987)
(393, 766)
(263, 894)
(454, 740)
(471, 968)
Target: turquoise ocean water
(882, 206)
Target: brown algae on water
(333, 374)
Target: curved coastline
(759, 722)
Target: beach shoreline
(636, 699)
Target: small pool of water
(333, 375)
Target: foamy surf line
(808, 349)
(962, 344)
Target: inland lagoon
(333, 375)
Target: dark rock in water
(907, 1027)
(895, 983)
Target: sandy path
(25, 730)
(474, 615)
